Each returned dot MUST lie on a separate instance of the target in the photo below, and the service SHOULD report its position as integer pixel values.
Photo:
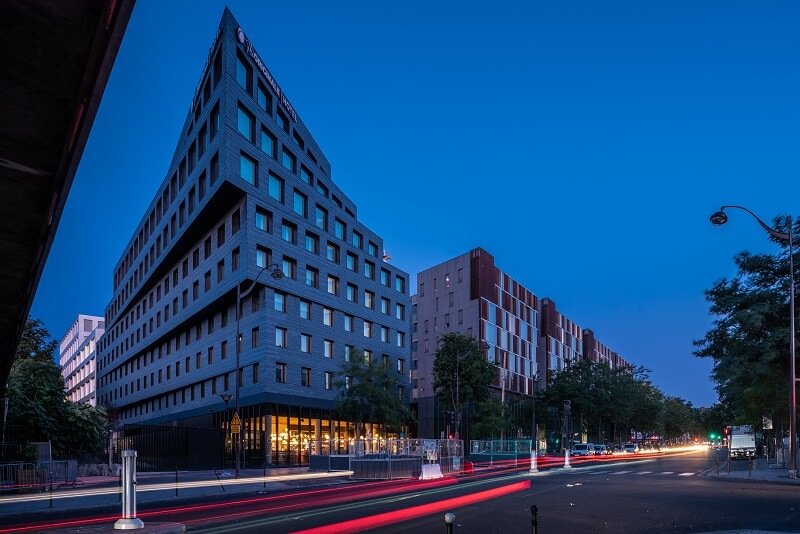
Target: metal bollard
(176, 481)
(534, 520)
(750, 473)
(129, 520)
(449, 519)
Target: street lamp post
(534, 431)
(718, 219)
(277, 274)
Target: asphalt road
(665, 493)
(651, 494)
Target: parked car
(631, 448)
(601, 450)
(582, 449)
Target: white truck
(742, 442)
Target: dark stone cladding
(132, 359)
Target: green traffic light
(712, 436)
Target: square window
(312, 277)
(280, 372)
(263, 220)
(269, 144)
(300, 203)
(247, 169)
(275, 187)
(312, 243)
(280, 337)
(321, 218)
(333, 285)
(264, 98)
(280, 302)
(289, 232)
(306, 175)
(288, 160)
(246, 124)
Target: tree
(749, 340)
(367, 392)
(36, 396)
(37, 400)
(461, 372)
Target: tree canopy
(461, 372)
(749, 340)
(37, 402)
(368, 392)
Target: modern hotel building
(248, 195)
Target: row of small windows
(195, 153)
(206, 179)
(180, 272)
(289, 233)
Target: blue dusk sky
(583, 144)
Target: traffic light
(725, 430)
(712, 436)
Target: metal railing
(25, 477)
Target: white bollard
(129, 521)
(566, 459)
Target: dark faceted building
(248, 197)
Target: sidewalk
(99, 491)
(761, 470)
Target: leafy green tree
(85, 432)
(490, 417)
(37, 400)
(749, 340)
(461, 372)
(370, 392)
(36, 395)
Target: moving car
(601, 450)
(631, 448)
(582, 449)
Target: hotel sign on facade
(263, 68)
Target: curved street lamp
(277, 274)
(718, 219)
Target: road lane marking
(643, 473)
(685, 474)
(620, 472)
(667, 473)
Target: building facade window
(263, 220)
(281, 337)
(247, 169)
(305, 343)
(305, 377)
(275, 187)
(312, 277)
(246, 124)
(280, 372)
(269, 143)
(300, 203)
